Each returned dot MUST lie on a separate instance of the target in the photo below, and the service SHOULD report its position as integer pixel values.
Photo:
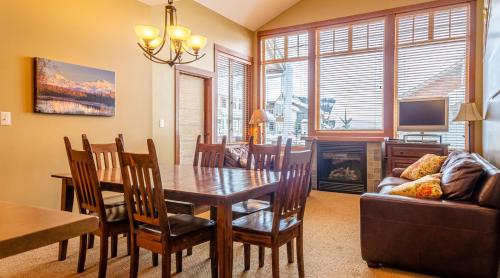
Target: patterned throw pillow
(427, 165)
(428, 187)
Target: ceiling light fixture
(181, 40)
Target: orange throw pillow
(428, 187)
(427, 165)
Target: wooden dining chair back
(106, 156)
(85, 180)
(209, 155)
(264, 157)
(293, 186)
(142, 187)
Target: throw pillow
(427, 165)
(459, 179)
(427, 187)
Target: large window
(432, 60)
(285, 75)
(232, 98)
(351, 76)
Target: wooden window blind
(350, 76)
(285, 86)
(232, 99)
(432, 59)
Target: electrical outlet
(5, 118)
(162, 123)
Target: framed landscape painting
(62, 88)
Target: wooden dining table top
(202, 184)
(25, 227)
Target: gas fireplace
(342, 167)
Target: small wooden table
(218, 188)
(26, 228)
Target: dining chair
(285, 222)
(150, 226)
(112, 220)
(261, 157)
(106, 157)
(206, 155)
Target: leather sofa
(441, 237)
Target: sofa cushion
(487, 192)
(454, 157)
(427, 187)
(427, 165)
(459, 178)
(391, 181)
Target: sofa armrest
(439, 213)
(396, 172)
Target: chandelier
(181, 40)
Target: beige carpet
(331, 246)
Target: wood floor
(331, 249)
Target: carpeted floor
(331, 246)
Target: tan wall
(87, 32)
(307, 11)
(218, 30)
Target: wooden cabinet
(402, 155)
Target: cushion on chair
(250, 206)
(427, 187)
(115, 213)
(262, 222)
(427, 165)
(114, 200)
(180, 224)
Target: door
(193, 111)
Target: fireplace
(342, 167)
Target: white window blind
(351, 76)
(232, 92)
(432, 60)
(285, 70)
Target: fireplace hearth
(342, 167)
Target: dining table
(218, 188)
(26, 228)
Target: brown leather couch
(441, 237)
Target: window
(285, 76)
(232, 98)
(432, 60)
(351, 76)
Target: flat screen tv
(423, 114)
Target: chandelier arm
(157, 60)
(195, 59)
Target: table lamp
(468, 113)
(259, 117)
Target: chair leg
(289, 251)
(82, 254)
(128, 244)
(275, 252)
(300, 253)
(213, 257)
(246, 255)
(103, 260)
(134, 259)
(165, 265)
(262, 254)
(189, 251)
(114, 246)
(154, 257)
(91, 241)
(178, 261)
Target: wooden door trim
(207, 77)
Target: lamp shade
(258, 117)
(146, 33)
(468, 113)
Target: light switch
(5, 118)
(162, 123)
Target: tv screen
(423, 114)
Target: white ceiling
(249, 13)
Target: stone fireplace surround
(374, 147)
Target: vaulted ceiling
(251, 14)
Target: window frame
(389, 67)
(220, 50)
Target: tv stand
(438, 138)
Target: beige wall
(307, 11)
(88, 32)
(218, 30)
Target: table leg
(225, 240)
(67, 197)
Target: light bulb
(197, 42)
